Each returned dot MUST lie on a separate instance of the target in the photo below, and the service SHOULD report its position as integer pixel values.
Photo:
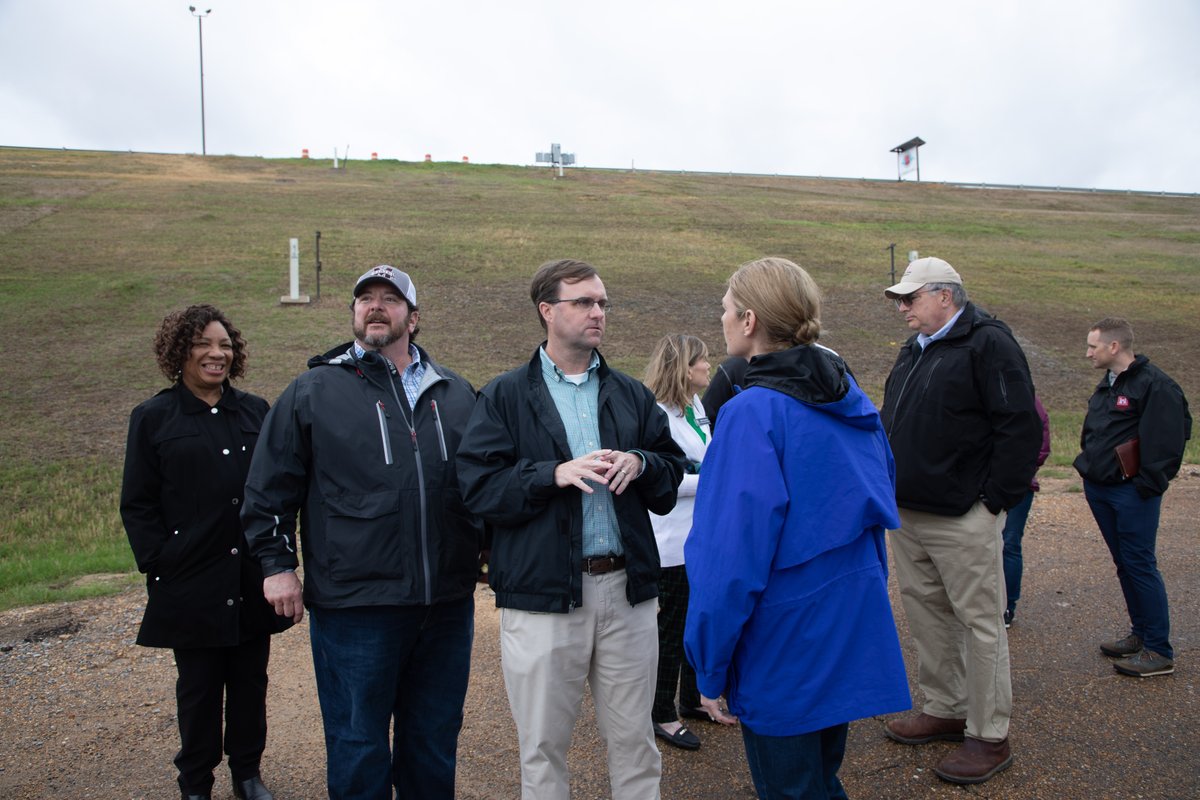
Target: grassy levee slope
(96, 247)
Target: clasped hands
(612, 468)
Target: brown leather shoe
(975, 761)
(922, 729)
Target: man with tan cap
(959, 413)
(360, 450)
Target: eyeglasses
(584, 303)
(909, 299)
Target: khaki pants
(951, 576)
(546, 660)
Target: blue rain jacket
(789, 615)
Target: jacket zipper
(903, 386)
(573, 569)
(929, 378)
(437, 421)
(412, 431)
(383, 433)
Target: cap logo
(383, 272)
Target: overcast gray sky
(1095, 93)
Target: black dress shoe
(197, 797)
(251, 789)
(682, 738)
(686, 712)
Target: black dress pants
(209, 678)
(673, 667)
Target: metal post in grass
(295, 298)
(892, 247)
(319, 265)
(200, 22)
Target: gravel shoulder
(88, 714)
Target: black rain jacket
(185, 466)
(506, 464)
(380, 515)
(961, 420)
(1143, 403)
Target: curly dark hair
(173, 342)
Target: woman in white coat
(677, 373)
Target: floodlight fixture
(557, 158)
(200, 23)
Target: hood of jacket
(817, 377)
(334, 355)
(371, 365)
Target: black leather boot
(251, 789)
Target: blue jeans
(802, 767)
(383, 666)
(1129, 526)
(1014, 530)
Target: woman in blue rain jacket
(789, 616)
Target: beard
(381, 340)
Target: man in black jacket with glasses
(959, 414)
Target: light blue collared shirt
(578, 406)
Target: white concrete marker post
(295, 297)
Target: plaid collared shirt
(411, 378)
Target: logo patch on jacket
(1122, 402)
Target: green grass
(96, 247)
(1064, 437)
(61, 522)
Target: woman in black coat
(186, 461)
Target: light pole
(200, 21)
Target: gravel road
(88, 714)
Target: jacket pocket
(176, 552)
(367, 537)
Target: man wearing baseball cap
(361, 449)
(959, 413)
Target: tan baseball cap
(921, 272)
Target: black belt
(598, 565)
